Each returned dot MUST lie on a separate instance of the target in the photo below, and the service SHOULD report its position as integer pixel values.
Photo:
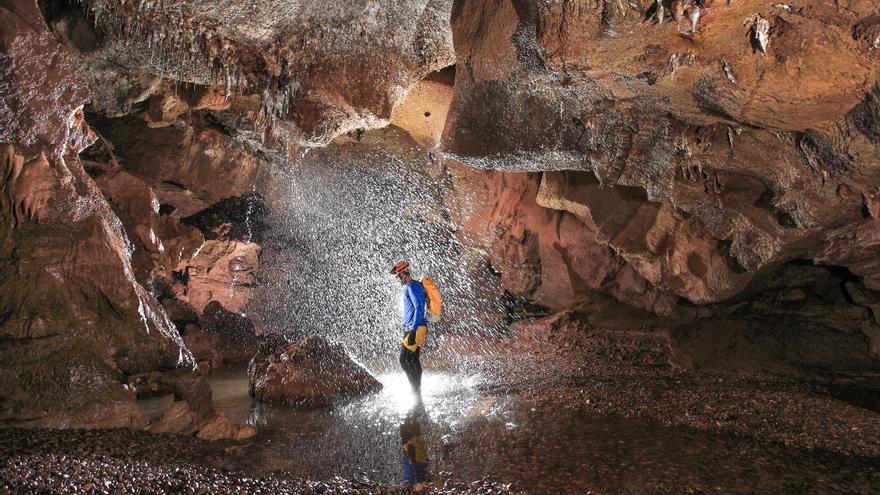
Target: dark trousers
(412, 365)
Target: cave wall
(700, 154)
(709, 167)
(74, 318)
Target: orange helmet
(400, 266)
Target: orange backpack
(434, 301)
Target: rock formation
(297, 69)
(714, 164)
(312, 373)
(74, 318)
(192, 411)
(657, 133)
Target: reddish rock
(549, 256)
(700, 159)
(41, 89)
(187, 156)
(162, 243)
(669, 249)
(423, 113)
(220, 428)
(311, 373)
(170, 100)
(76, 317)
(223, 272)
(182, 420)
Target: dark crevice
(175, 184)
(862, 397)
(69, 23)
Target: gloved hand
(411, 338)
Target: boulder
(190, 156)
(179, 418)
(552, 257)
(220, 428)
(311, 373)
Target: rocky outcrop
(700, 154)
(549, 256)
(222, 271)
(668, 248)
(205, 260)
(161, 243)
(181, 419)
(297, 70)
(189, 165)
(73, 318)
(184, 385)
(311, 373)
(800, 319)
(220, 428)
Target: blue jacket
(413, 306)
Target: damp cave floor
(532, 419)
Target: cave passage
(655, 226)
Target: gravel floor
(825, 445)
(124, 461)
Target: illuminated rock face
(693, 165)
(700, 158)
(311, 373)
(549, 256)
(75, 319)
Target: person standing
(415, 327)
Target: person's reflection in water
(415, 453)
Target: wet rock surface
(618, 376)
(125, 461)
(697, 156)
(712, 164)
(75, 319)
(311, 373)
